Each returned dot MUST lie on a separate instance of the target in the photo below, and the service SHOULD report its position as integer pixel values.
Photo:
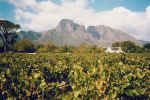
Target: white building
(113, 50)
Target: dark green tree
(7, 33)
(116, 44)
(128, 46)
(147, 46)
(24, 46)
(49, 47)
(66, 49)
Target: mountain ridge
(67, 32)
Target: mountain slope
(69, 33)
(107, 35)
(29, 35)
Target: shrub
(24, 46)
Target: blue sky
(134, 5)
(132, 16)
(7, 9)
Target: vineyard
(74, 76)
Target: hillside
(29, 35)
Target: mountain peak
(67, 25)
(69, 32)
(64, 21)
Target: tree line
(131, 47)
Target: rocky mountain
(68, 32)
(106, 35)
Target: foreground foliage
(75, 76)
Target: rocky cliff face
(68, 26)
(107, 35)
(69, 33)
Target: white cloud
(45, 15)
(24, 3)
(1, 18)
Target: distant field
(74, 76)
